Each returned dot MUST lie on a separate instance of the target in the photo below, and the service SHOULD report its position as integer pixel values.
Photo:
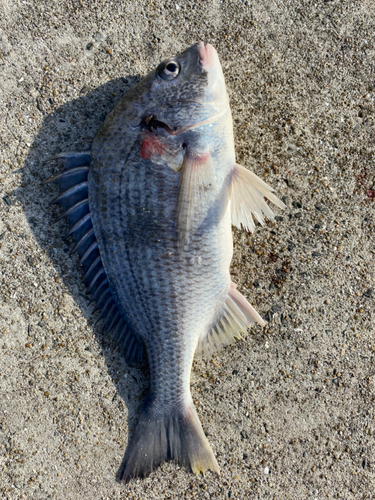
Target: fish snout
(216, 92)
(206, 53)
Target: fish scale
(142, 291)
(129, 204)
(151, 217)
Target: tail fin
(169, 436)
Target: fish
(151, 206)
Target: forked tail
(167, 436)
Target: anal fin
(237, 316)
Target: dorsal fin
(237, 315)
(73, 198)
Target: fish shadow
(71, 127)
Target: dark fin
(83, 244)
(237, 316)
(117, 332)
(170, 436)
(111, 322)
(96, 279)
(73, 158)
(95, 266)
(105, 309)
(73, 198)
(102, 294)
(74, 175)
(88, 255)
(76, 211)
(72, 195)
(82, 225)
(129, 349)
(108, 315)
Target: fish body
(156, 199)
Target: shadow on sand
(71, 127)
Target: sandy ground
(289, 410)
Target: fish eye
(170, 70)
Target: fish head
(162, 113)
(186, 90)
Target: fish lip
(204, 53)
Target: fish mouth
(204, 53)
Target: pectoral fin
(247, 199)
(195, 183)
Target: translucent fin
(247, 199)
(173, 435)
(73, 198)
(196, 179)
(237, 315)
(246, 308)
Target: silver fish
(151, 207)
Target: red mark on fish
(151, 146)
